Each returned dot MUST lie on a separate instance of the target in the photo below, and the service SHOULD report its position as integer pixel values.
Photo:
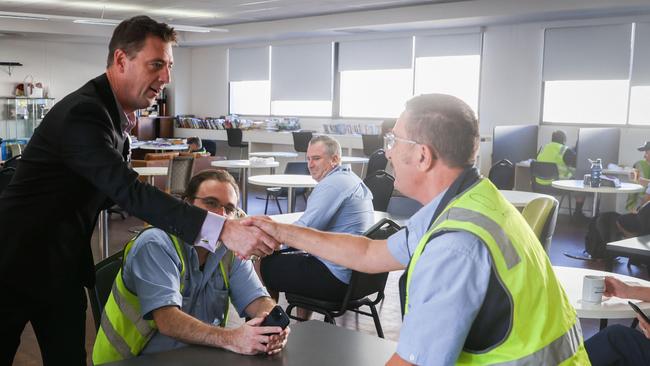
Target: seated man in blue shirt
(169, 293)
(339, 203)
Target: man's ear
(427, 157)
(119, 59)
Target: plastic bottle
(596, 171)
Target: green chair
(105, 272)
(541, 216)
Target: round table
(163, 147)
(611, 308)
(243, 166)
(520, 199)
(578, 186)
(275, 154)
(289, 181)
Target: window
(586, 101)
(250, 97)
(640, 78)
(248, 75)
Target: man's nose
(165, 75)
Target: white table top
(577, 185)
(354, 159)
(168, 147)
(612, 308)
(283, 180)
(151, 170)
(290, 218)
(275, 154)
(520, 198)
(639, 245)
(244, 164)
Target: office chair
(235, 137)
(301, 140)
(547, 171)
(541, 216)
(293, 167)
(361, 286)
(105, 273)
(210, 146)
(381, 184)
(372, 143)
(179, 173)
(502, 174)
(376, 162)
(5, 177)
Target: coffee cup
(593, 288)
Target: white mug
(593, 288)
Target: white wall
(209, 81)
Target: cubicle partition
(594, 143)
(515, 143)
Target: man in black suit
(74, 166)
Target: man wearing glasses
(169, 293)
(477, 288)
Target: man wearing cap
(641, 175)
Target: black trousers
(59, 327)
(618, 345)
(302, 274)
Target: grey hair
(331, 145)
(446, 124)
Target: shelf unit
(19, 117)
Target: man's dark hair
(131, 34)
(558, 136)
(446, 124)
(208, 174)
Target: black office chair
(361, 286)
(372, 143)
(301, 140)
(548, 171)
(235, 137)
(5, 177)
(502, 174)
(105, 273)
(210, 146)
(293, 167)
(376, 162)
(381, 184)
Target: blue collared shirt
(152, 271)
(447, 289)
(340, 203)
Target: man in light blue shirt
(339, 203)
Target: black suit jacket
(73, 167)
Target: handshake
(252, 237)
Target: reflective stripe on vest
(123, 331)
(553, 152)
(543, 328)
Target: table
(637, 247)
(290, 218)
(312, 343)
(356, 160)
(275, 154)
(289, 181)
(243, 166)
(102, 222)
(520, 199)
(613, 308)
(578, 185)
(163, 147)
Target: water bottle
(596, 170)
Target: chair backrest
(502, 174)
(301, 140)
(376, 162)
(105, 273)
(364, 284)
(5, 177)
(372, 143)
(381, 184)
(542, 170)
(210, 146)
(161, 156)
(295, 167)
(179, 174)
(235, 137)
(541, 216)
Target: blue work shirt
(152, 270)
(340, 203)
(448, 286)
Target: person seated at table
(169, 294)
(635, 223)
(640, 175)
(195, 145)
(565, 158)
(618, 344)
(340, 203)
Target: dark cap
(645, 147)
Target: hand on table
(250, 338)
(616, 287)
(247, 240)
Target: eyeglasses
(213, 204)
(390, 139)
